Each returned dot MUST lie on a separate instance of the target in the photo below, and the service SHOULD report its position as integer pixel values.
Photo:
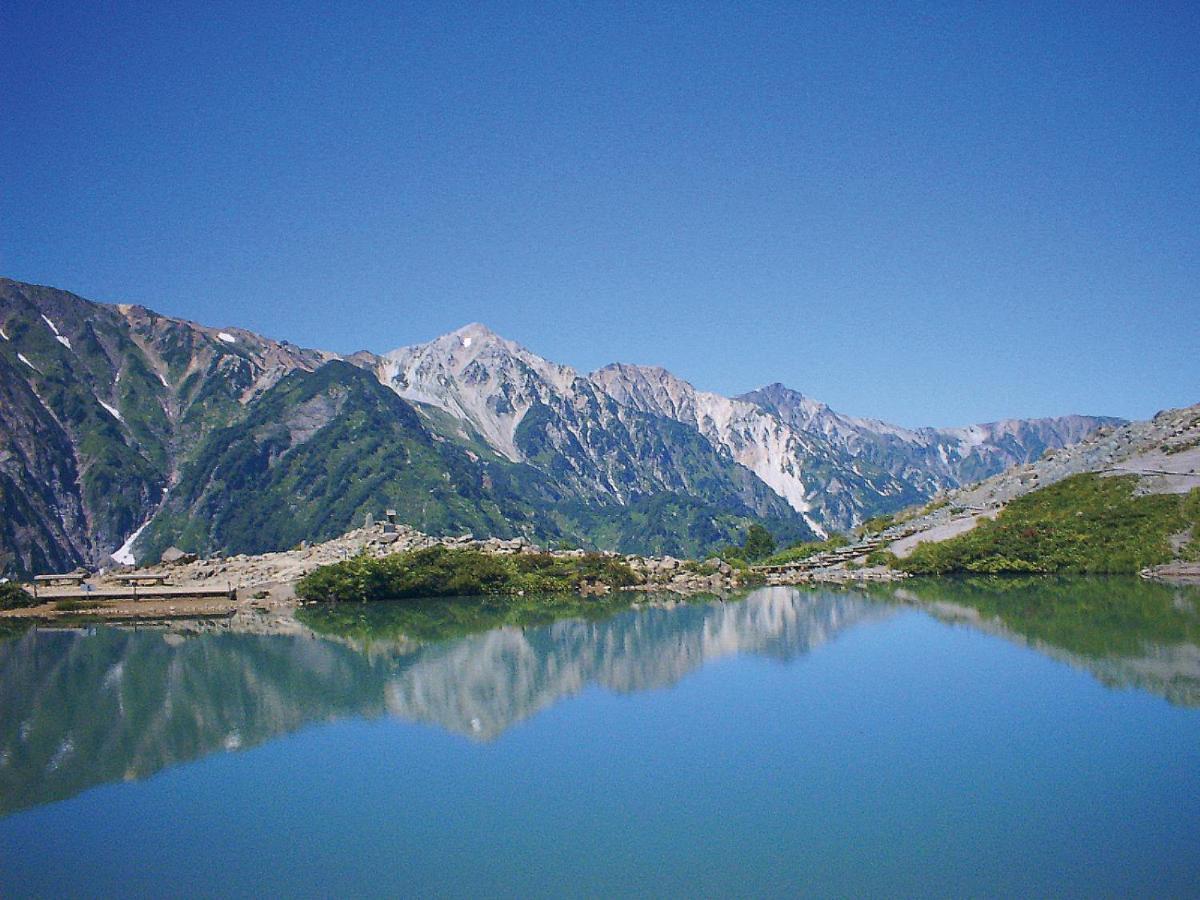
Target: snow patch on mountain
(57, 336)
(124, 554)
(113, 411)
(226, 337)
(22, 358)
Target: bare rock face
(173, 556)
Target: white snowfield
(124, 554)
(115, 413)
(57, 335)
(226, 337)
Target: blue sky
(933, 214)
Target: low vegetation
(874, 525)
(805, 549)
(881, 557)
(444, 572)
(78, 605)
(1084, 524)
(13, 596)
(1172, 449)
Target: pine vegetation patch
(444, 572)
(13, 596)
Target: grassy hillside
(1084, 524)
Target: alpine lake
(1035, 737)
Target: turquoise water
(970, 739)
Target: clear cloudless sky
(929, 213)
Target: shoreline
(265, 583)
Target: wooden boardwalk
(134, 592)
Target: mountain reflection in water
(88, 706)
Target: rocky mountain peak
(648, 388)
(477, 332)
(479, 377)
(787, 403)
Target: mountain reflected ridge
(85, 706)
(482, 685)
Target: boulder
(173, 556)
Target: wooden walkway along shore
(134, 592)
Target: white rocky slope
(833, 466)
(759, 441)
(833, 469)
(531, 410)
(479, 377)
(933, 458)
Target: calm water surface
(1037, 738)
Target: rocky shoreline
(1175, 572)
(266, 582)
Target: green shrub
(805, 549)
(442, 572)
(933, 506)
(760, 543)
(13, 596)
(882, 557)
(875, 525)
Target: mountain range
(124, 432)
